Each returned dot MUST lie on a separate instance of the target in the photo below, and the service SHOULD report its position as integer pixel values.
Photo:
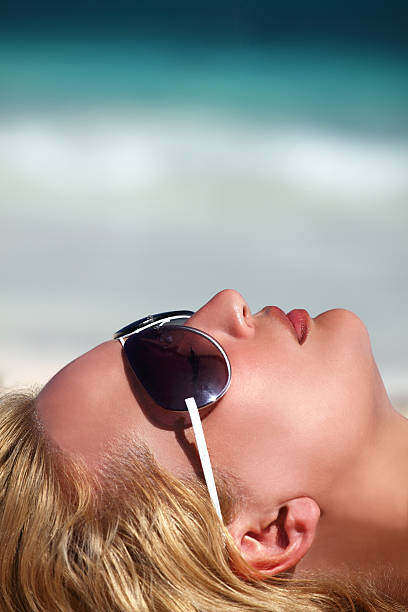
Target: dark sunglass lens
(174, 363)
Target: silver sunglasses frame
(191, 406)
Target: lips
(300, 320)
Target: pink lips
(300, 320)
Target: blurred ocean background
(153, 155)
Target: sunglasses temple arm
(203, 452)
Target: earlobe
(275, 544)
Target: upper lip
(286, 321)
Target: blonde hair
(130, 538)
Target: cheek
(304, 414)
(250, 431)
(236, 428)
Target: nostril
(247, 318)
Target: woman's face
(296, 414)
(291, 423)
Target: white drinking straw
(203, 452)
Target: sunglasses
(181, 368)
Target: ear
(276, 542)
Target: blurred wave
(104, 157)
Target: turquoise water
(352, 89)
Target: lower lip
(300, 320)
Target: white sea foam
(108, 157)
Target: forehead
(92, 403)
(76, 404)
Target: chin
(341, 316)
(345, 327)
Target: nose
(226, 312)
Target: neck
(364, 523)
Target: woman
(102, 500)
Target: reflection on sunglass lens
(175, 322)
(174, 363)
